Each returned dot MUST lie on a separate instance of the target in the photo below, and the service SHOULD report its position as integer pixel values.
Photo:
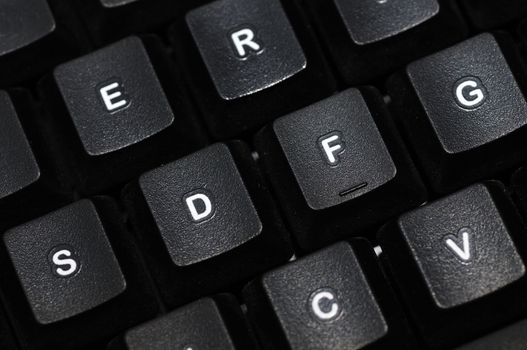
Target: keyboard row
(449, 271)
(461, 111)
(235, 54)
(365, 40)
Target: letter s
(59, 260)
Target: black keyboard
(263, 174)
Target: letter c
(316, 301)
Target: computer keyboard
(263, 174)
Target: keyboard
(263, 174)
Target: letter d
(199, 212)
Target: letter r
(244, 39)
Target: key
(254, 54)
(463, 112)
(19, 167)
(25, 174)
(71, 278)
(205, 324)
(509, 338)
(369, 39)
(487, 14)
(101, 16)
(117, 120)
(207, 214)
(327, 300)
(459, 263)
(365, 29)
(34, 27)
(330, 173)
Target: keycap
(210, 215)
(326, 300)
(463, 112)
(34, 27)
(58, 297)
(203, 324)
(19, 167)
(508, 338)
(25, 174)
(177, 224)
(459, 263)
(233, 64)
(369, 22)
(249, 53)
(330, 173)
(36, 19)
(487, 14)
(116, 116)
(369, 39)
(66, 277)
(111, 20)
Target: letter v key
(464, 253)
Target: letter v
(464, 254)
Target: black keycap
(19, 167)
(459, 263)
(369, 22)
(463, 112)
(73, 262)
(207, 215)
(332, 162)
(369, 39)
(118, 112)
(110, 20)
(487, 14)
(214, 202)
(34, 28)
(249, 53)
(236, 63)
(25, 173)
(513, 337)
(326, 300)
(207, 324)
(71, 279)
(23, 23)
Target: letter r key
(240, 39)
